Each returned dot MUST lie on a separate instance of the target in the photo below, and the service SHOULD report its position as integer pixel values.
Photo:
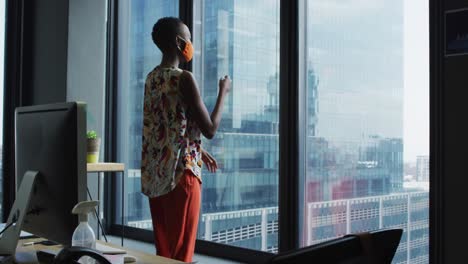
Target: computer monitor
(51, 139)
(376, 247)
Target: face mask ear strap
(177, 44)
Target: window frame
(17, 63)
(289, 160)
(436, 132)
(110, 114)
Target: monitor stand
(9, 239)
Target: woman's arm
(207, 123)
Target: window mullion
(289, 127)
(186, 15)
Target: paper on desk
(109, 250)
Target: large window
(363, 117)
(240, 201)
(365, 81)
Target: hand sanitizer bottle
(83, 235)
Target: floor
(149, 248)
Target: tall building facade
(422, 168)
(236, 38)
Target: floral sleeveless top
(171, 139)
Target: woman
(172, 157)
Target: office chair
(364, 248)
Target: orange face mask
(187, 52)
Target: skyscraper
(422, 168)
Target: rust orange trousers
(175, 219)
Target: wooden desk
(100, 168)
(141, 257)
(105, 167)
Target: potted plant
(92, 155)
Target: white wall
(87, 58)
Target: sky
(416, 79)
(372, 61)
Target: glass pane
(137, 56)
(2, 60)
(365, 80)
(240, 38)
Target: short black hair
(164, 30)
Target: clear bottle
(83, 236)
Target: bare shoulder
(187, 76)
(187, 81)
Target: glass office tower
(352, 79)
(241, 39)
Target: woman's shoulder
(187, 77)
